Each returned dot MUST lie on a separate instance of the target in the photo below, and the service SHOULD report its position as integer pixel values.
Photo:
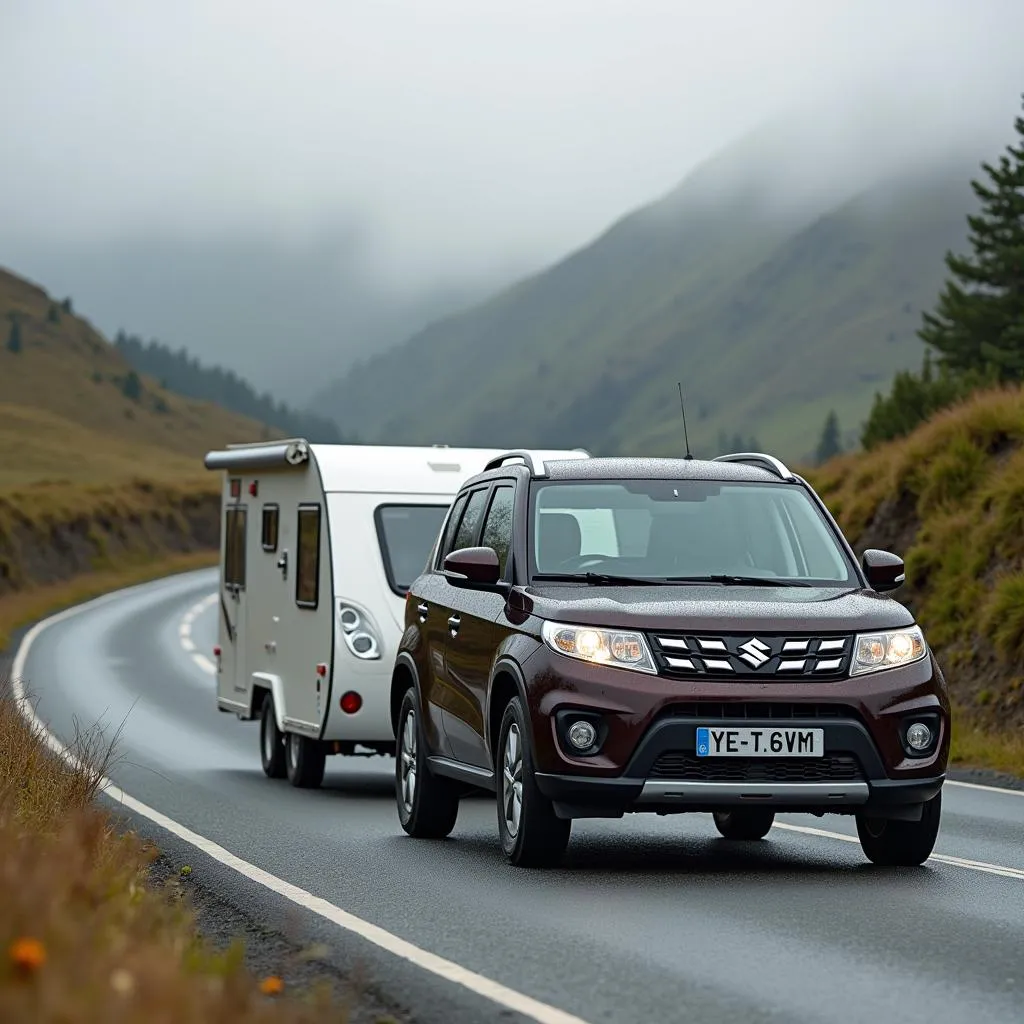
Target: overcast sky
(465, 134)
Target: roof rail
(769, 462)
(500, 460)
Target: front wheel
(532, 835)
(305, 760)
(744, 822)
(901, 843)
(428, 804)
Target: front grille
(745, 656)
(682, 767)
(716, 710)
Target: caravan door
(233, 681)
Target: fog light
(919, 736)
(582, 735)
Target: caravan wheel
(271, 741)
(305, 760)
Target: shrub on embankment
(949, 498)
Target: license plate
(717, 742)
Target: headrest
(558, 538)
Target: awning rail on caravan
(290, 452)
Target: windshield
(406, 534)
(661, 529)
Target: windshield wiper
(738, 581)
(600, 579)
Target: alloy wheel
(407, 753)
(512, 782)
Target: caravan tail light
(216, 652)
(321, 670)
(350, 702)
(254, 488)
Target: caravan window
(307, 575)
(270, 527)
(406, 534)
(234, 547)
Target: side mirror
(472, 567)
(883, 569)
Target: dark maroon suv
(598, 636)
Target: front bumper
(640, 788)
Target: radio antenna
(682, 409)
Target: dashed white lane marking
(497, 993)
(185, 634)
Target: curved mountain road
(651, 918)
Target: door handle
(453, 624)
(423, 610)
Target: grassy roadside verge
(84, 935)
(978, 745)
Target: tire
(532, 835)
(901, 843)
(746, 823)
(305, 760)
(427, 804)
(272, 753)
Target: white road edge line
(943, 858)
(517, 1002)
(984, 786)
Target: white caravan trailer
(319, 544)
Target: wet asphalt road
(650, 919)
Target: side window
(307, 575)
(234, 548)
(498, 525)
(271, 514)
(466, 533)
(449, 530)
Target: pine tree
(979, 320)
(830, 443)
(132, 386)
(14, 337)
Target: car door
(232, 683)
(474, 634)
(431, 601)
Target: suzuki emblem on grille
(755, 653)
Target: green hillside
(770, 316)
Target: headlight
(618, 647)
(873, 652)
(360, 636)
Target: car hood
(707, 607)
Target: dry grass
(978, 745)
(83, 937)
